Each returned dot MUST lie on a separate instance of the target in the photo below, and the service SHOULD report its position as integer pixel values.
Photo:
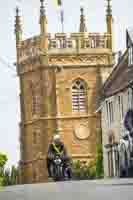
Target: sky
(9, 83)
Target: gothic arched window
(34, 137)
(79, 96)
(35, 103)
(35, 98)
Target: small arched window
(34, 137)
(35, 98)
(79, 96)
(35, 103)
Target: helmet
(56, 137)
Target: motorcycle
(60, 173)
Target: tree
(84, 170)
(10, 176)
(99, 161)
(14, 175)
(3, 160)
(7, 176)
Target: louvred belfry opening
(79, 102)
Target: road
(79, 190)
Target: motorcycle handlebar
(61, 156)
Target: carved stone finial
(82, 27)
(18, 29)
(17, 11)
(43, 19)
(42, 8)
(109, 8)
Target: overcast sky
(9, 88)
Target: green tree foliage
(10, 176)
(3, 160)
(14, 175)
(91, 170)
(83, 170)
(99, 161)
(99, 154)
(7, 176)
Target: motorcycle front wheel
(58, 175)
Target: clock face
(82, 132)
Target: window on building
(131, 97)
(35, 102)
(110, 112)
(36, 134)
(35, 98)
(119, 103)
(128, 99)
(34, 137)
(107, 111)
(121, 106)
(79, 96)
(130, 55)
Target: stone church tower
(60, 79)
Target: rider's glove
(51, 157)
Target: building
(117, 94)
(60, 79)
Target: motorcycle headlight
(57, 161)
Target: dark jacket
(61, 148)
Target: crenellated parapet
(63, 43)
(29, 49)
(78, 40)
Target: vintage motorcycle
(61, 173)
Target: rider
(56, 148)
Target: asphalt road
(79, 190)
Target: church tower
(59, 88)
